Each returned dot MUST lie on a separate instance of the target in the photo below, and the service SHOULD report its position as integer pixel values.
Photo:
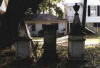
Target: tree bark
(84, 14)
(11, 19)
(1, 2)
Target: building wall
(61, 28)
(92, 13)
(70, 12)
(38, 27)
(89, 19)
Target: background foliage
(46, 6)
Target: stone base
(23, 49)
(76, 47)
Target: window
(94, 10)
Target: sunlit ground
(92, 53)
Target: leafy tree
(48, 6)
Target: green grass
(92, 55)
(38, 38)
(92, 37)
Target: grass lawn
(92, 56)
(92, 37)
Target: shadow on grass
(92, 55)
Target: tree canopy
(47, 6)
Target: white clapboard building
(35, 24)
(93, 11)
(70, 11)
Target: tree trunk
(1, 2)
(10, 21)
(84, 14)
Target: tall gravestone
(76, 38)
(50, 42)
(23, 44)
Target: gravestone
(23, 48)
(50, 41)
(23, 44)
(76, 39)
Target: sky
(90, 2)
(72, 1)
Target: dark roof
(40, 17)
(43, 18)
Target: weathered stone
(76, 38)
(50, 41)
(23, 48)
(76, 47)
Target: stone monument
(76, 38)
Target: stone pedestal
(50, 41)
(76, 39)
(23, 48)
(76, 47)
